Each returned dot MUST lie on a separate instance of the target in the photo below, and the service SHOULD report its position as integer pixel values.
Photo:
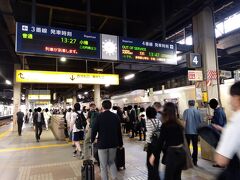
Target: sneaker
(74, 153)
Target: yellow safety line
(33, 147)
(5, 133)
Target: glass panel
(232, 23)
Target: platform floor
(24, 159)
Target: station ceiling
(144, 21)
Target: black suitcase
(120, 158)
(88, 170)
(210, 135)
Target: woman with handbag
(171, 143)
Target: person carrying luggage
(91, 118)
(108, 128)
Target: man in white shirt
(229, 144)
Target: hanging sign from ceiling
(43, 40)
(52, 77)
(136, 50)
(39, 97)
(49, 41)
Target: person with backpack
(171, 143)
(76, 126)
(153, 126)
(192, 119)
(92, 116)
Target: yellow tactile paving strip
(32, 147)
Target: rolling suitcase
(88, 170)
(120, 158)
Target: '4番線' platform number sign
(43, 40)
(136, 50)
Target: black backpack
(79, 121)
(156, 133)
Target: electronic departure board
(147, 51)
(34, 39)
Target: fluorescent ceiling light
(8, 82)
(63, 59)
(130, 76)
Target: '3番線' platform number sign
(42, 40)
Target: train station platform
(24, 159)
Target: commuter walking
(126, 119)
(132, 119)
(76, 126)
(20, 116)
(30, 116)
(228, 149)
(85, 112)
(192, 119)
(68, 120)
(158, 107)
(108, 127)
(38, 121)
(142, 122)
(47, 115)
(171, 143)
(92, 116)
(219, 117)
(151, 124)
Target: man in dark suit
(20, 116)
(132, 119)
(38, 121)
(108, 127)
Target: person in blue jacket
(219, 116)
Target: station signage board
(56, 42)
(195, 75)
(135, 50)
(52, 77)
(43, 40)
(39, 97)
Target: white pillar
(204, 43)
(16, 97)
(97, 97)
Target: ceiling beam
(50, 16)
(81, 12)
(102, 25)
